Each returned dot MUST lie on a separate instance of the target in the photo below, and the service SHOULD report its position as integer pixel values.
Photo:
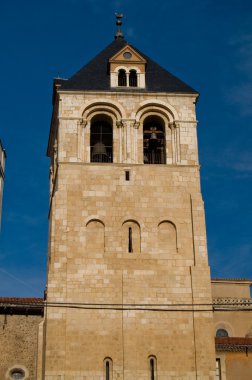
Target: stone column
(81, 124)
(177, 140)
(122, 141)
(135, 125)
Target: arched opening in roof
(122, 78)
(133, 78)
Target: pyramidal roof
(95, 76)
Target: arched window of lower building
(108, 370)
(133, 78)
(101, 139)
(153, 368)
(154, 140)
(122, 78)
(222, 333)
(17, 373)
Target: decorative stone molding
(235, 344)
(232, 302)
(101, 105)
(157, 106)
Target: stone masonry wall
(18, 341)
(127, 306)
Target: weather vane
(119, 33)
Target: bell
(153, 136)
(99, 149)
(153, 139)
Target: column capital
(83, 122)
(120, 123)
(174, 124)
(136, 124)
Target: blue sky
(206, 43)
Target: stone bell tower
(128, 291)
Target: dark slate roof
(95, 75)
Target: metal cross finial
(119, 33)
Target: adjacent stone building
(20, 319)
(232, 305)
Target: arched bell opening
(101, 139)
(154, 140)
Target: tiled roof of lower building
(20, 301)
(21, 306)
(236, 344)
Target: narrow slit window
(130, 240)
(127, 175)
(153, 368)
(107, 370)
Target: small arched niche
(167, 237)
(95, 241)
(154, 140)
(101, 139)
(131, 237)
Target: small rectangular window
(127, 175)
